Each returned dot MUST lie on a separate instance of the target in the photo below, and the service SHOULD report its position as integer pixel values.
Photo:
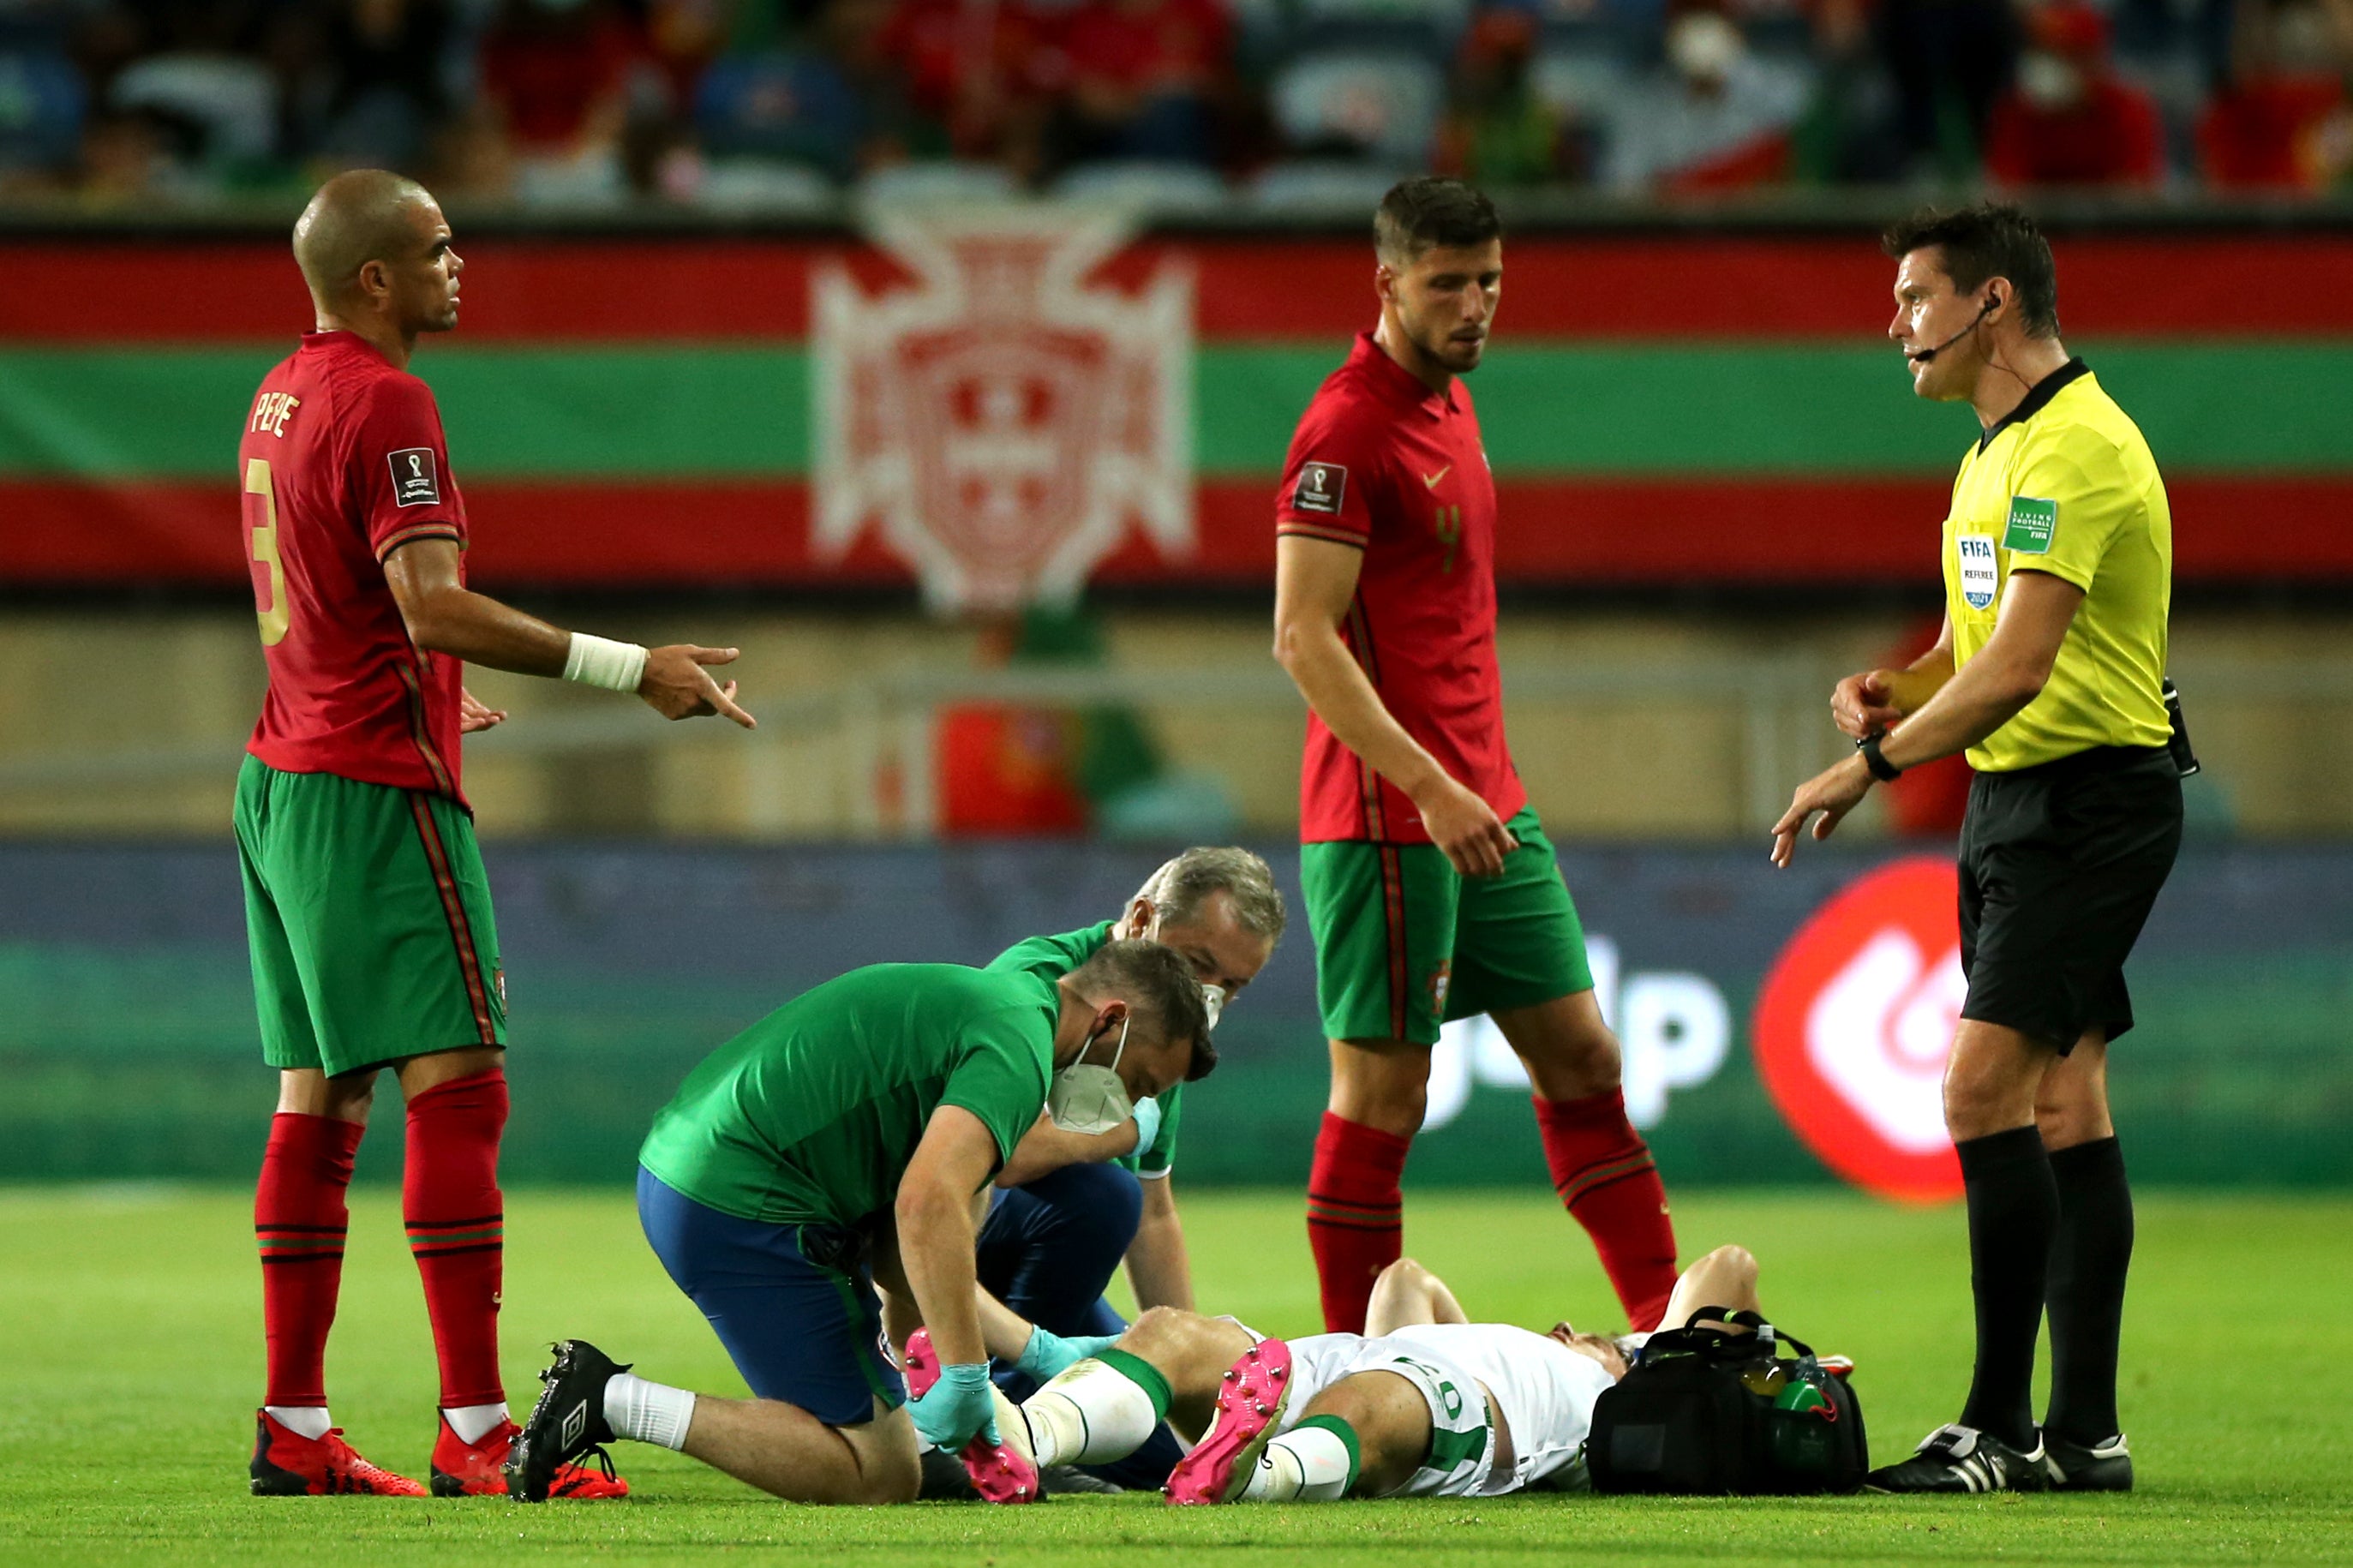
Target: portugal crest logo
(1006, 418)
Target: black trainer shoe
(567, 1422)
(1068, 1480)
(943, 1478)
(2101, 1467)
(1959, 1458)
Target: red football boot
(286, 1464)
(478, 1469)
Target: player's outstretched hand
(1467, 829)
(958, 1408)
(474, 715)
(1864, 704)
(1833, 792)
(677, 685)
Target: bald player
(366, 908)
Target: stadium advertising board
(1777, 1025)
(640, 412)
(1854, 1023)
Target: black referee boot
(1959, 1458)
(2098, 1468)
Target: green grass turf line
(135, 1362)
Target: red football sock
(450, 1193)
(299, 1218)
(1355, 1215)
(1602, 1169)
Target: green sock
(1142, 1374)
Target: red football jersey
(1382, 463)
(343, 461)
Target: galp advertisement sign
(1854, 1023)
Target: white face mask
(1091, 1100)
(1213, 999)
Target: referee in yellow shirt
(2058, 560)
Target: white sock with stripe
(1307, 1464)
(648, 1412)
(1090, 1414)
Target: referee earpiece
(1992, 303)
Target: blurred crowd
(1200, 104)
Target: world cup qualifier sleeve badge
(1321, 488)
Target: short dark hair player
(366, 909)
(2058, 561)
(1430, 888)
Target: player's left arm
(1159, 1269)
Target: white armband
(601, 661)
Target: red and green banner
(1702, 409)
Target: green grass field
(136, 1360)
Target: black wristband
(1881, 768)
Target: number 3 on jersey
(261, 547)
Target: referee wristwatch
(1881, 768)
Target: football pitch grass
(135, 1362)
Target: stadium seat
(1578, 84)
(1425, 26)
(938, 181)
(233, 102)
(41, 105)
(765, 185)
(1321, 187)
(789, 106)
(1382, 105)
(1185, 189)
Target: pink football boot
(1251, 1402)
(1002, 1472)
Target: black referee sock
(2089, 1258)
(2013, 1215)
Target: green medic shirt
(1051, 957)
(813, 1113)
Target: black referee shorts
(2059, 866)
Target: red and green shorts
(369, 921)
(1404, 943)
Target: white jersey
(1544, 1391)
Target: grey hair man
(1072, 1206)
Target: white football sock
(474, 1422)
(1309, 1463)
(1091, 1414)
(648, 1412)
(310, 1420)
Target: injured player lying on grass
(1424, 1404)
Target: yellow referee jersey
(2066, 484)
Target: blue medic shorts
(804, 1331)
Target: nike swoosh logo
(1430, 481)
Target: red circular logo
(1855, 1021)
